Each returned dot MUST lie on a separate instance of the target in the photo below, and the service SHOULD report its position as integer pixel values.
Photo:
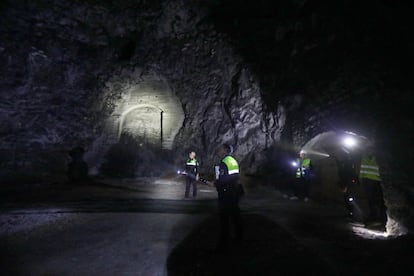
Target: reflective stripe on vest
(302, 168)
(232, 165)
(191, 162)
(369, 169)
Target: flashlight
(217, 171)
(294, 164)
(349, 142)
(350, 199)
(178, 172)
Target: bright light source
(351, 199)
(349, 142)
(178, 172)
(294, 164)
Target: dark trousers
(306, 187)
(229, 214)
(301, 187)
(188, 183)
(377, 210)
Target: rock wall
(335, 66)
(76, 73)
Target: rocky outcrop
(343, 65)
(72, 70)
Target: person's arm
(186, 166)
(223, 173)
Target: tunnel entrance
(144, 123)
(147, 116)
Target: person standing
(347, 176)
(370, 179)
(229, 190)
(77, 167)
(303, 177)
(191, 169)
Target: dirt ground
(145, 227)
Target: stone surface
(90, 72)
(266, 77)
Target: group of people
(366, 174)
(229, 188)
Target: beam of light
(315, 152)
(368, 233)
(393, 229)
(355, 207)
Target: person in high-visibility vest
(191, 169)
(370, 179)
(229, 190)
(303, 177)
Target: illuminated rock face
(143, 122)
(151, 111)
(147, 111)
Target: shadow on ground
(270, 249)
(266, 250)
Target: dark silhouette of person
(229, 190)
(347, 179)
(77, 167)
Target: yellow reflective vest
(369, 169)
(303, 167)
(232, 165)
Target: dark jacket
(228, 186)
